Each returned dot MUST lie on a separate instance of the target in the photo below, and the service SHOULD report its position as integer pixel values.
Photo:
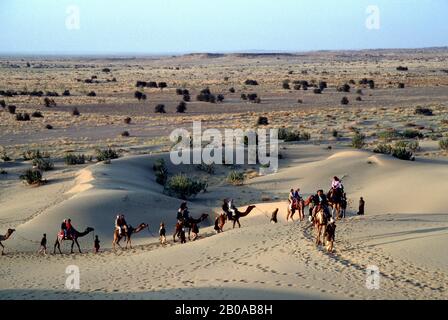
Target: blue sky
(180, 26)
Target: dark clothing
(97, 244)
(63, 226)
(362, 205)
(162, 232)
(322, 200)
(43, 242)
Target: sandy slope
(404, 234)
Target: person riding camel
(337, 190)
(183, 214)
(64, 228)
(291, 198)
(322, 203)
(232, 208)
(69, 228)
(121, 225)
(297, 195)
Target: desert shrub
(402, 153)
(71, 159)
(220, 98)
(371, 84)
(249, 82)
(359, 91)
(183, 187)
(252, 97)
(304, 87)
(345, 101)
(185, 92)
(423, 111)
(162, 85)
(401, 85)
(206, 96)
(443, 144)
(236, 178)
(91, 94)
(358, 99)
(414, 146)
(34, 154)
(37, 114)
(66, 93)
(383, 149)
(75, 112)
(181, 107)
(412, 134)
(323, 85)
(335, 133)
(286, 85)
(208, 168)
(127, 120)
(317, 91)
(23, 117)
(106, 154)
(141, 84)
(32, 177)
(52, 94)
(139, 95)
(179, 92)
(49, 102)
(105, 70)
(344, 88)
(187, 98)
(358, 141)
(388, 135)
(161, 172)
(43, 164)
(243, 97)
(49, 127)
(3, 172)
(232, 90)
(401, 68)
(125, 134)
(3, 104)
(151, 84)
(12, 109)
(300, 101)
(4, 157)
(160, 108)
(292, 135)
(297, 87)
(262, 121)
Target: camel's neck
(82, 234)
(139, 229)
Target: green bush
(412, 134)
(358, 141)
(34, 154)
(32, 177)
(236, 178)
(403, 154)
(74, 159)
(291, 135)
(388, 135)
(43, 164)
(160, 171)
(208, 168)
(444, 144)
(183, 187)
(106, 154)
(383, 149)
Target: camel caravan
(318, 205)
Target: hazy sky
(179, 26)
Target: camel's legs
(77, 244)
(3, 248)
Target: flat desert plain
(388, 141)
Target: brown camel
(190, 224)
(73, 237)
(335, 202)
(296, 206)
(220, 222)
(320, 224)
(238, 215)
(128, 234)
(6, 237)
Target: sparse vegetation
(106, 154)
(184, 187)
(12, 109)
(292, 135)
(358, 140)
(37, 114)
(160, 108)
(71, 159)
(443, 144)
(181, 107)
(263, 121)
(403, 153)
(249, 82)
(32, 177)
(23, 117)
(43, 164)
(75, 112)
(236, 178)
(160, 171)
(423, 111)
(345, 101)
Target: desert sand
(403, 233)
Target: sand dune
(404, 234)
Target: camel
(296, 206)
(128, 234)
(238, 215)
(6, 237)
(220, 223)
(320, 224)
(73, 237)
(190, 224)
(335, 202)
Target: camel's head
(89, 229)
(10, 231)
(143, 225)
(204, 216)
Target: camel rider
(336, 183)
(64, 228)
(121, 225)
(291, 198)
(183, 214)
(323, 202)
(69, 227)
(232, 208)
(297, 196)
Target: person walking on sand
(162, 233)
(43, 245)
(362, 205)
(96, 244)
